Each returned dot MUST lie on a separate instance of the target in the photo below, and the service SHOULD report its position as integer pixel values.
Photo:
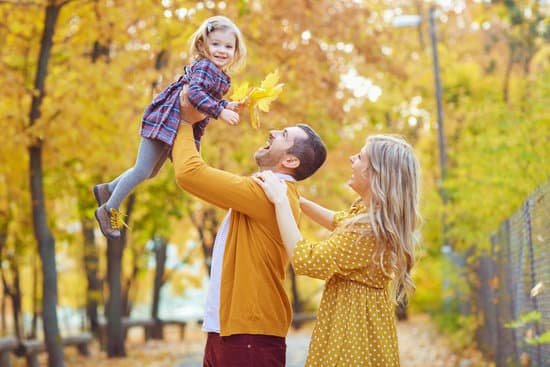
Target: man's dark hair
(311, 152)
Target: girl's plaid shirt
(207, 86)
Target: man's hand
(231, 117)
(188, 112)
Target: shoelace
(116, 219)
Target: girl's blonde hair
(393, 173)
(198, 39)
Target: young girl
(371, 247)
(217, 47)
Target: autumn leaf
(264, 97)
(240, 93)
(259, 98)
(254, 117)
(270, 80)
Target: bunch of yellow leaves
(258, 98)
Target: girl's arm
(203, 80)
(317, 213)
(275, 190)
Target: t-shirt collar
(284, 176)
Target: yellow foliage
(258, 98)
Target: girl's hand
(231, 117)
(234, 106)
(275, 189)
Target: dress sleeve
(339, 217)
(342, 253)
(202, 81)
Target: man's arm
(220, 188)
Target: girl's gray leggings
(150, 157)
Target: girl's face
(359, 180)
(220, 47)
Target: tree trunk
(160, 245)
(508, 72)
(14, 292)
(297, 306)
(3, 324)
(34, 323)
(42, 234)
(128, 283)
(3, 236)
(91, 264)
(420, 10)
(206, 225)
(115, 330)
(46, 245)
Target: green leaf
(539, 339)
(533, 316)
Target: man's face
(277, 144)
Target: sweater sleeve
(217, 187)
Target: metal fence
(517, 263)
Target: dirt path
(419, 343)
(419, 346)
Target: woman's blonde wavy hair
(393, 172)
(197, 41)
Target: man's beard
(264, 159)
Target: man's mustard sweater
(253, 299)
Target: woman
(366, 261)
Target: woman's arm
(317, 213)
(275, 190)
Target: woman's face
(359, 180)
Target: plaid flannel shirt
(207, 86)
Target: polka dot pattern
(356, 319)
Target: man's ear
(291, 161)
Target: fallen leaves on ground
(420, 345)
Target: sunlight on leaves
(259, 98)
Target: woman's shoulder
(358, 219)
(357, 206)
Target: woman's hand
(275, 189)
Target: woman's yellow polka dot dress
(356, 319)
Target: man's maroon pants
(244, 350)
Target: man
(248, 312)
